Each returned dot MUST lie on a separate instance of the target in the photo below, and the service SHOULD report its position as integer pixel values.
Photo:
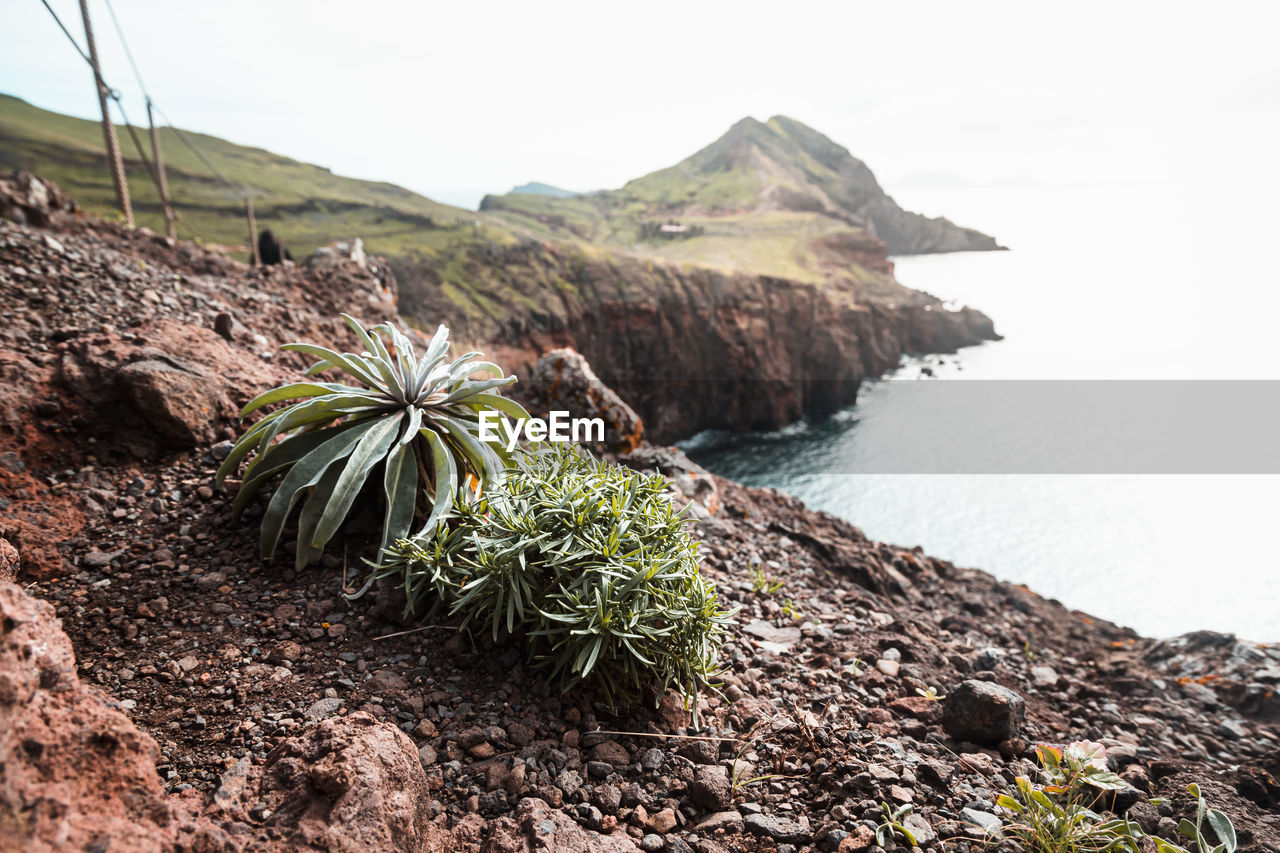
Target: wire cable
(190, 143)
(137, 75)
(66, 32)
(240, 189)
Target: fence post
(114, 161)
(253, 232)
(162, 181)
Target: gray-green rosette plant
(588, 562)
(412, 421)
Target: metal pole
(253, 233)
(162, 182)
(114, 160)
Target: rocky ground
(218, 704)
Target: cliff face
(691, 348)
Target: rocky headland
(754, 351)
(162, 689)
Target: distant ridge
(783, 164)
(536, 188)
(773, 198)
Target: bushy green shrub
(413, 420)
(589, 563)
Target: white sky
(457, 99)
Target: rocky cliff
(690, 347)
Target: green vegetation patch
(589, 563)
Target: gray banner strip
(944, 426)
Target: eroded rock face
(563, 380)
(75, 773)
(690, 348)
(347, 783)
(536, 826)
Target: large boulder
(983, 712)
(564, 381)
(180, 400)
(172, 384)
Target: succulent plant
(589, 563)
(412, 420)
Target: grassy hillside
(536, 188)
(752, 200)
(308, 205)
(772, 199)
(748, 185)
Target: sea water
(1134, 282)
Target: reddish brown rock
(347, 783)
(925, 710)
(536, 826)
(9, 559)
(74, 771)
(564, 381)
(612, 752)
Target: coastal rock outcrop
(563, 380)
(691, 348)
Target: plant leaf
(279, 457)
(371, 450)
(304, 474)
(445, 471)
(1223, 828)
(400, 490)
(294, 391)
